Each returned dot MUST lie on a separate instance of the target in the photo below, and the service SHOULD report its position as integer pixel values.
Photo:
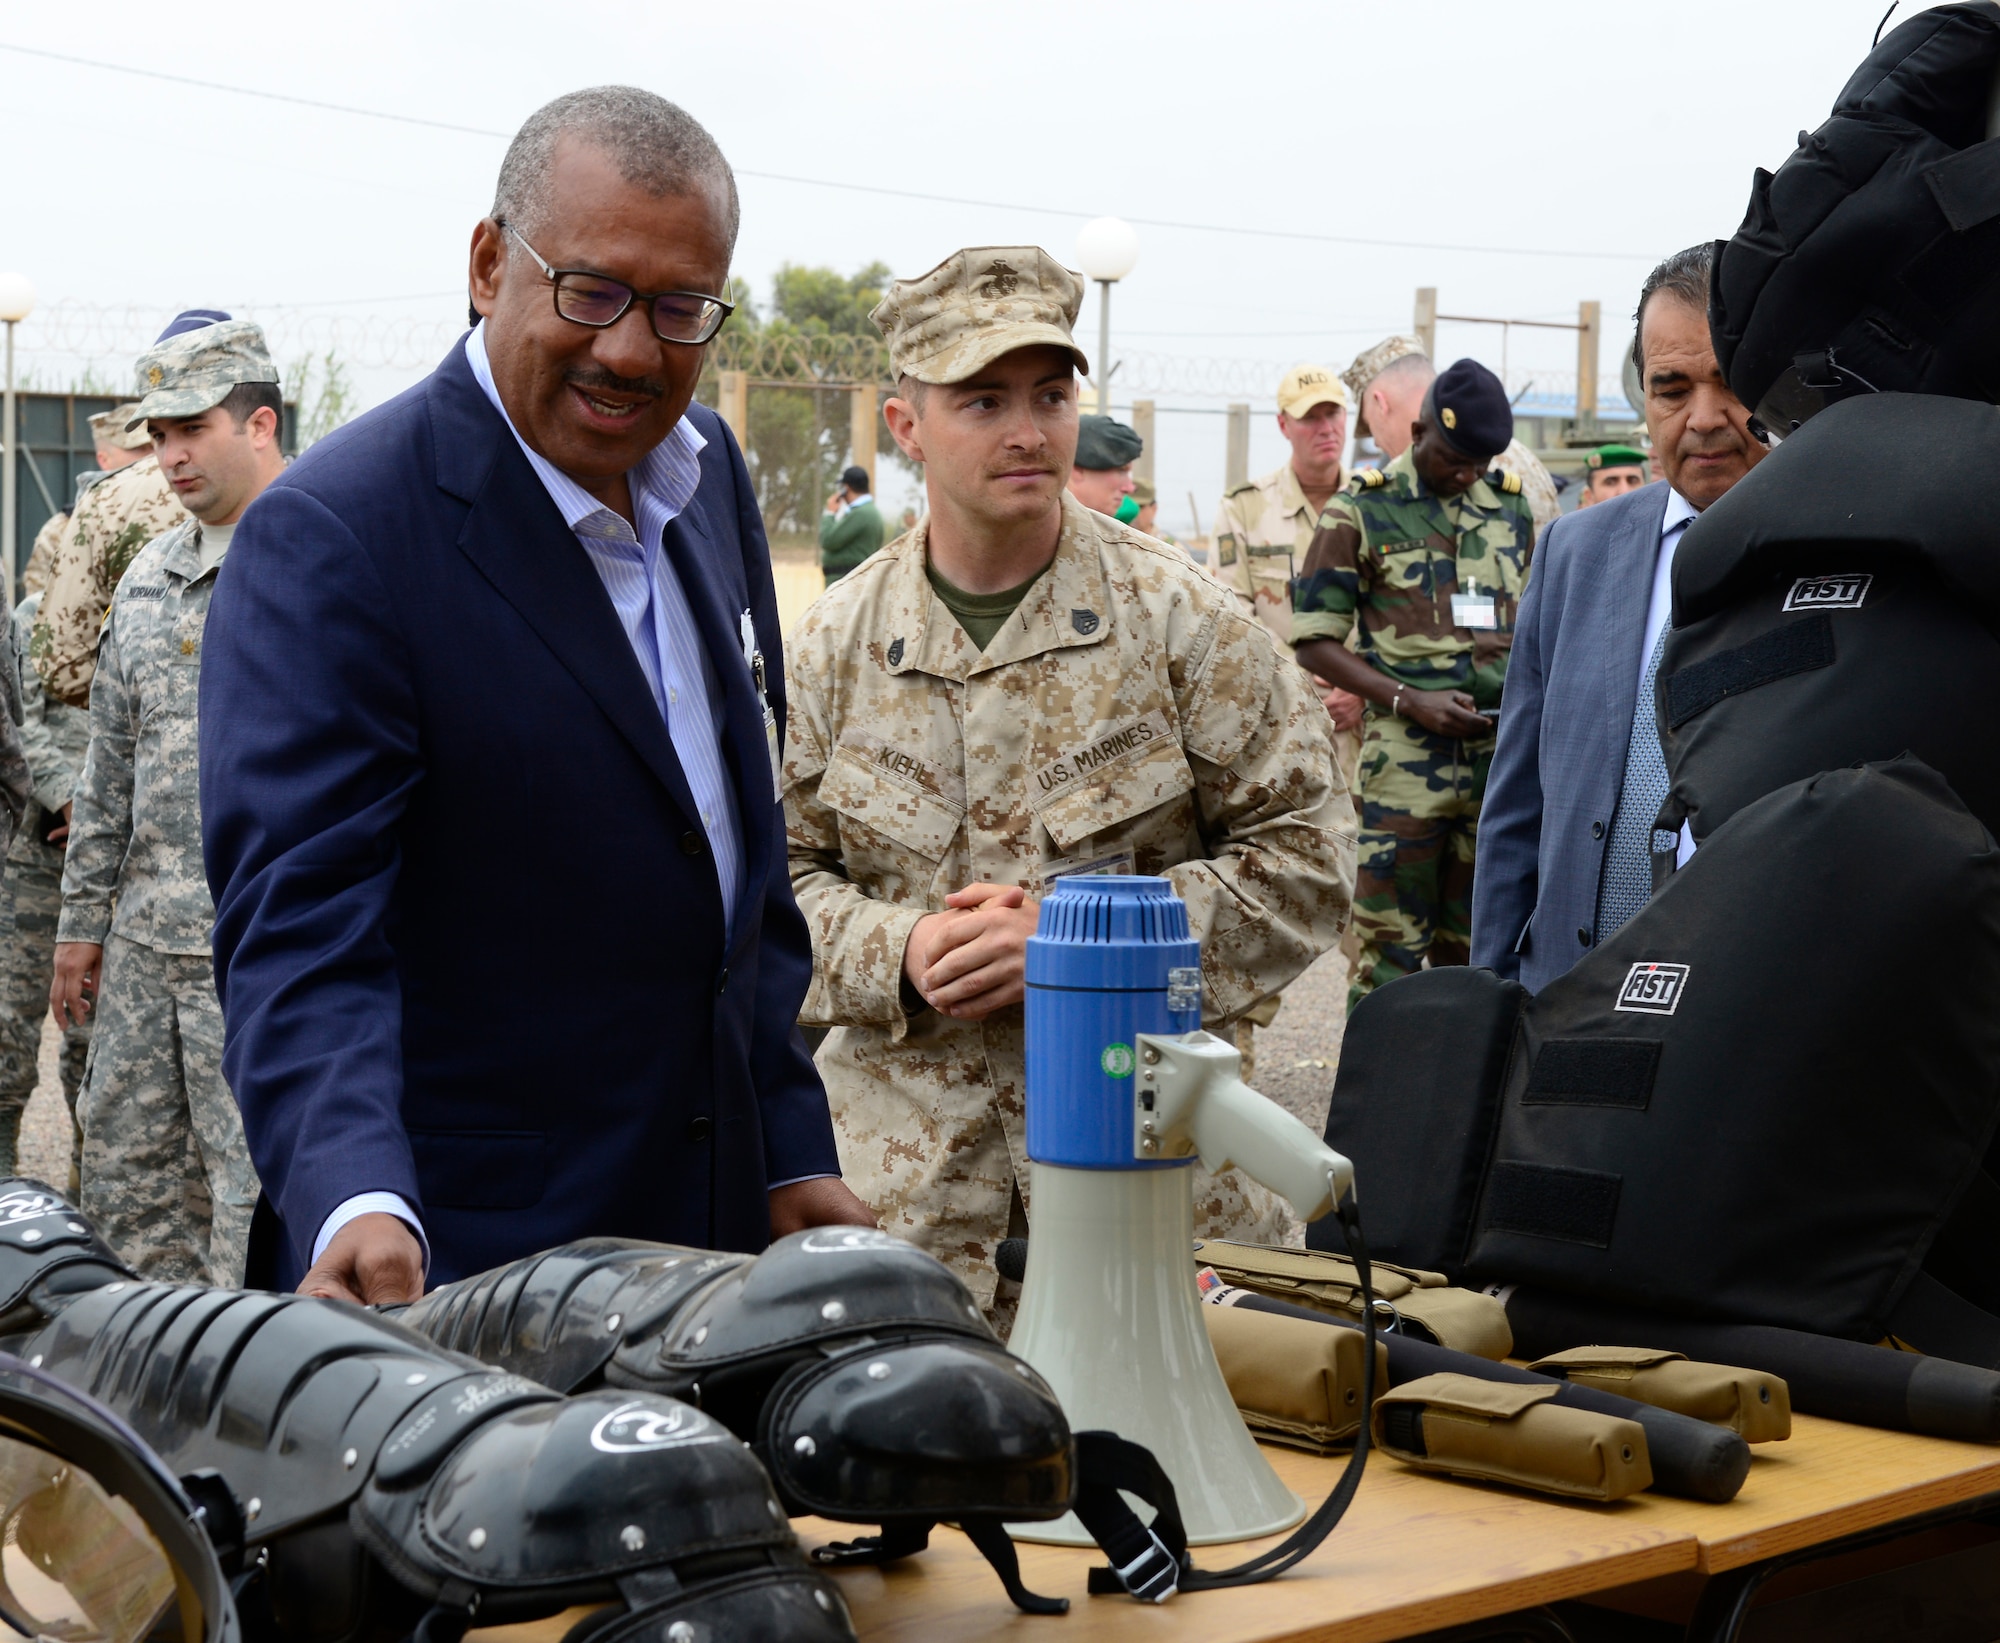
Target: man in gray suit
(1566, 835)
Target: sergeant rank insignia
(895, 653)
(1084, 621)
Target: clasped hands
(971, 959)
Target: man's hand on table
(822, 1202)
(972, 959)
(375, 1260)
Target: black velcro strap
(1594, 1072)
(1797, 647)
(1403, 1428)
(896, 1541)
(990, 1536)
(1545, 1201)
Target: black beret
(1469, 408)
(1102, 442)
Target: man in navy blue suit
(490, 720)
(1566, 838)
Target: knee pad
(859, 1367)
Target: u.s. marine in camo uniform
(1428, 556)
(1120, 714)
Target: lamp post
(1108, 248)
(17, 302)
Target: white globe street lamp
(17, 302)
(1108, 248)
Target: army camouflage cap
(1305, 386)
(118, 428)
(1370, 362)
(976, 305)
(193, 372)
(1616, 456)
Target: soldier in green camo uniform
(1429, 556)
(167, 1176)
(54, 738)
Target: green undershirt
(981, 614)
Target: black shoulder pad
(825, 1284)
(557, 1317)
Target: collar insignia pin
(1084, 621)
(895, 653)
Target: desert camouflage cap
(118, 428)
(1369, 362)
(194, 371)
(976, 305)
(1305, 386)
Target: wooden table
(1416, 1553)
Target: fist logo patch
(1653, 989)
(1828, 592)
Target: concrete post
(733, 403)
(1426, 320)
(861, 420)
(1589, 328)
(1142, 425)
(1236, 458)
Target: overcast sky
(1540, 153)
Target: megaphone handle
(1233, 1124)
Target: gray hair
(1406, 365)
(1685, 275)
(655, 144)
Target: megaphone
(1124, 1093)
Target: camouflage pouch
(1756, 1405)
(1502, 1432)
(1294, 1381)
(1425, 1304)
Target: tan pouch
(1757, 1405)
(1502, 1432)
(1461, 1319)
(1294, 1381)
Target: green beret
(1616, 456)
(1102, 442)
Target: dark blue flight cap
(1468, 406)
(191, 319)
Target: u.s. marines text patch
(1100, 751)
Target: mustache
(596, 379)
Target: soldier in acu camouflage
(951, 752)
(167, 1177)
(1428, 557)
(53, 738)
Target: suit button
(699, 1129)
(690, 844)
(1597, 830)
(1583, 938)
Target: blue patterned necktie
(1627, 884)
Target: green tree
(798, 436)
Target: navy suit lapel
(717, 601)
(1628, 571)
(517, 540)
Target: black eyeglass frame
(555, 278)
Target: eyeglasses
(590, 299)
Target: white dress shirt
(653, 609)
